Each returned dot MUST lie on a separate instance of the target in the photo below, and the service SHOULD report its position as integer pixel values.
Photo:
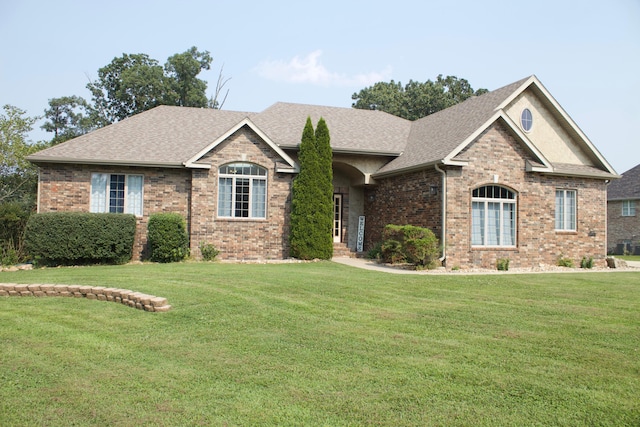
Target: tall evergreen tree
(311, 207)
(325, 184)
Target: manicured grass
(323, 344)
(629, 257)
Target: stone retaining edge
(124, 296)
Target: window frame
(100, 200)
(567, 220)
(483, 213)
(242, 192)
(526, 122)
(628, 208)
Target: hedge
(77, 238)
(168, 238)
(408, 243)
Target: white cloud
(310, 70)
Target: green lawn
(323, 344)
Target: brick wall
(404, 199)
(495, 158)
(242, 239)
(621, 229)
(67, 188)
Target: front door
(337, 218)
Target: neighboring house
(623, 213)
(504, 175)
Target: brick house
(623, 223)
(504, 175)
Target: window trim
(104, 206)
(485, 202)
(253, 179)
(628, 208)
(526, 122)
(567, 220)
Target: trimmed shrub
(78, 238)
(502, 264)
(408, 243)
(565, 262)
(392, 252)
(168, 238)
(208, 251)
(586, 262)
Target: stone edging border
(124, 296)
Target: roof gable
(440, 137)
(193, 161)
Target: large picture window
(242, 191)
(116, 193)
(566, 210)
(493, 216)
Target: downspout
(444, 213)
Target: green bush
(13, 221)
(502, 264)
(76, 238)
(586, 262)
(408, 243)
(208, 251)
(565, 262)
(392, 252)
(168, 238)
(375, 252)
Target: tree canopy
(17, 176)
(129, 85)
(416, 99)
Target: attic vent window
(526, 120)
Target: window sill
(567, 232)
(230, 219)
(494, 248)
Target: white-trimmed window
(566, 210)
(526, 120)
(242, 191)
(116, 193)
(628, 208)
(493, 216)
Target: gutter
(444, 213)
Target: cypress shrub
(325, 186)
(312, 196)
(168, 238)
(78, 238)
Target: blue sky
(586, 53)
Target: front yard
(322, 344)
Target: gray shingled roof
(350, 129)
(434, 137)
(627, 187)
(171, 136)
(161, 136)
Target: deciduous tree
(69, 117)
(416, 99)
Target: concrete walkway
(368, 264)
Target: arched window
(493, 216)
(242, 191)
